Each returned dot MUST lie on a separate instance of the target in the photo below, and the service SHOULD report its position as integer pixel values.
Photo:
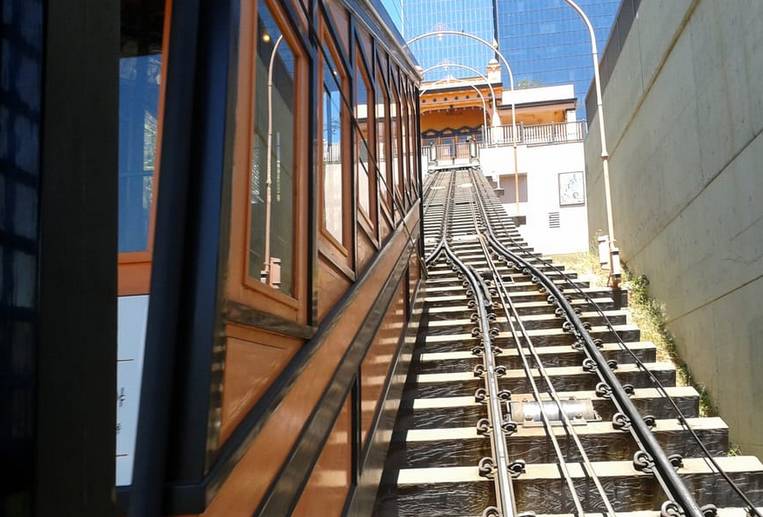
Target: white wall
(542, 164)
(684, 121)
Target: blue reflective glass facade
(395, 10)
(547, 44)
(473, 16)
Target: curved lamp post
(482, 98)
(494, 48)
(614, 262)
(269, 175)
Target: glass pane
(381, 135)
(271, 241)
(412, 143)
(140, 68)
(394, 134)
(362, 151)
(404, 148)
(332, 149)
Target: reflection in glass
(139, 78)
(271, 239)
(362, 118)
(332, 149)
(413, 149)
(381, 135)
(404, 148)
(394, 133)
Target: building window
(271, 237)
(508, 195)
(332, 134)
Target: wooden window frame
(368, 222)
(242, 287)
(134, 267)
(409, 139)
(399, 136)
(412, 144)
(387, 201)
(330, 247)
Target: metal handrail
(538, 134)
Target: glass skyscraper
(473, 16)
(545, 41)
(547, 44)
(395, 10)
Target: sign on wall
(571, 188)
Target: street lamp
(614, 262)
(494, 48)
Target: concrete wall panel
(684, 120)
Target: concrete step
(420, 491)
(564, 378)
(551, 356)
(530, 321)
(531, 296)
(459, 446)
(464, 411)
(461, 310)
(457, 286)
(441, 340)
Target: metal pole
(268, 177)
(602, 132)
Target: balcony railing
(541, 134)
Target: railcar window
(398, 157)
(381, 136)
(395, 143)
(271, 239)
(364, 118)
(404, 147)
(140, 67)
(333, 206)
(413, 149)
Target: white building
(550, 166)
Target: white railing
(540, 134)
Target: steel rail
(752, 509)
(444, 223)
(528, 371)
(504, 488)
(569, 428)
(642, 461)
(662, 467)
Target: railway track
(530, 391)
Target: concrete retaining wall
(684, 114)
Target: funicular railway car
(270, 254)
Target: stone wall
(684, 114)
